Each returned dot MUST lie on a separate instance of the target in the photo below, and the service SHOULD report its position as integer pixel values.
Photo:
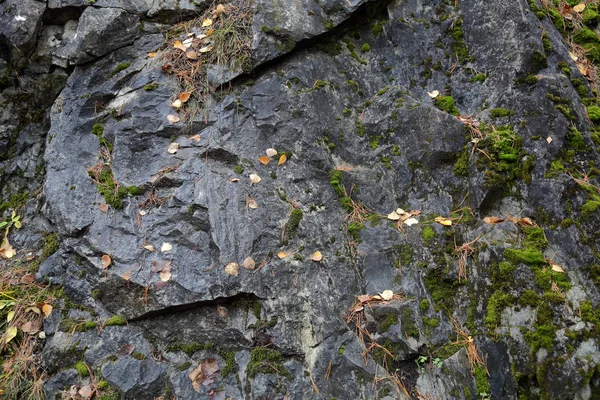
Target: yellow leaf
(185, 96)
(443, 221)
(106, 261)
(6, 250)
(282, 255)
(10, 316)
(207, 22)
(205, 49)
(220, 9)
(251, 203)
(493, 220)
(282, 159)
(165, 275)
(127, 275)
(210, 32)
(264, 160)
(47, 310)
(317, 256)
(149, 247)
(579, 7)
(177, 104)
(152, 55)
(573, 56)
(179, 45)
(232, 269)
(556, 267)
(10, 334)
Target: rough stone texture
(332, 103)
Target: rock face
(341, 89)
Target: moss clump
(365, 48)
(342, 349)
(377, 29)
(503, 163)
(89, 325)
(82, 369)
(190, 348)
(478, 78)
(115, 320)
(230, 364)
(424, 305)
(589, 208)
(497, 302)
(446, 103)
(459, 49)
(481, 381)
(238, 169)
(103, 385)
(382, 91)
(534, 238)
(443, 290)
(594, 113)
(544, 330)
(388, 321)
(139, 356)
(50, 245)
(354, 229)
(524, 256)
(120, 67)
(151, 86)
(500, 112)
(266, 361)
(408, 323)
(461, 166)
(293, 222)
(529, 298)
(428, 233)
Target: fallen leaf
(207, 22)
(317, 256)
(251, 203)
(28, 279)
(234, 180)
(47, 310)
(582, 69)
(166, 247)
(86, 392)
(210, 32)
(376, 297)
(579, 7)
(103, 207)
(205, 49)
(443, 221)
(264, 160)
(177, 103)
(142, 212)
(493, 220)
(185, 96)
(173, 119)
(106, 261)
(549, 139)
(149, 247)
(573, 56)
(232, 269)
(195, 138)
(220, 9)
(165, 275)
(525, 222)
(33, 309)
(178, 45)
(434, 94)
(30, 327)
(127, 275)
(387, 295)
(41, 335)
(10, 334)
(125, 351)
(188, 42)
(6, 250)
(191, 55)
(411, 221)
(10, 316)
(255, 178)
(358, 308)
(173, 147)
(363, 298)
(159, 265)
(203, 375)
(271, 152)
(222, 311)
(282, 159)
(282, 255)
(152, 55)
(393, 216)
(249, 264)
(556, 267)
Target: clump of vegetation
(293, 222)
(446, 103)
(115, 320)
(266, 361)
(120, 67)
(365, 48)
(500, 112)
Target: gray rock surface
(342, 88)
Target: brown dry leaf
(363, 298)
(6, 250)
(28, 279)
(264, 160)
(210, 32)
(207, 22)
(195, 138)
(582, 68)
(86, 392)
(203, 375)
(393, 216)
(205, 49)
(222, 311)
(493, 220)
(159, 265)
(525, 222)
(251, 203)
(282, 255)
(255, 178)
(106, 261)
(127, 275)
(282, 159)
(125, 351)
(173, 119)
(152, 55)
(103, 207)
(573, 56)
(387, 295)
(220, 9)
(271, 152)
(249, 264)
(232, 269)
(166, 247)
(30, 327)
(556, 267)
(191, 55)
(185, 96)
(317, 256)
(579, 8)
(180, 46)
(47, 310)
(149, 247)
(443, 221)
(173, 147)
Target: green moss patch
(446, 103)
(266, 361)
(115, 320)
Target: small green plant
(420, 361)
(437, 362)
